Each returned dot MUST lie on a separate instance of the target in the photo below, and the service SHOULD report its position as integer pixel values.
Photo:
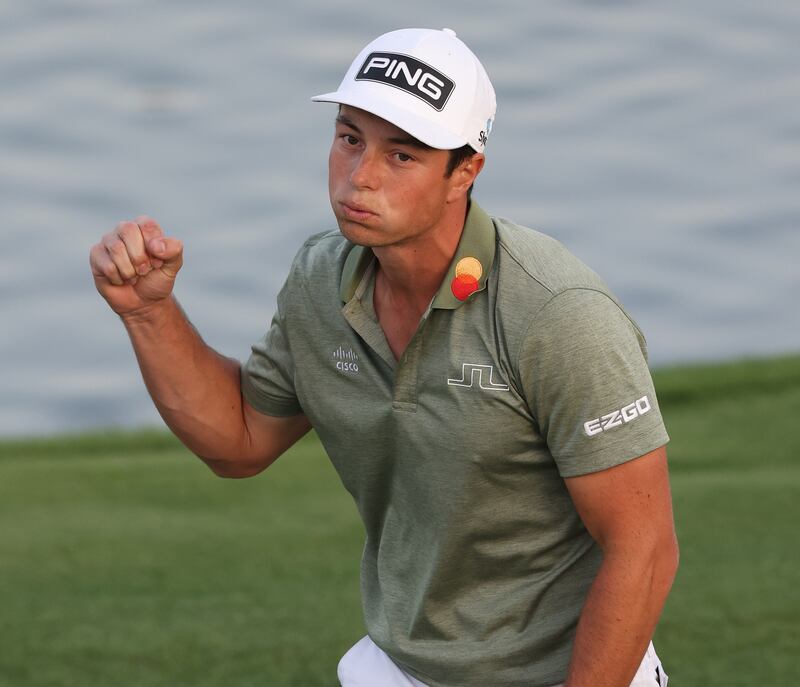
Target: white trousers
(366, 665)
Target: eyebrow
(409, 141)
(397, 140)
(343, 119)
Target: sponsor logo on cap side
(408, 74)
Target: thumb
(168, 250)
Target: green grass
(733, 617)
(124, 561)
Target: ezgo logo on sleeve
(617, 417)
(408, 74)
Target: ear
(464, 176)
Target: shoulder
(529, 256)
(317, 266)
(537, 276)
(322, 251)
(550, 297)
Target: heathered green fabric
(476, 564)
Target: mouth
(355, 211)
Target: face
(385, 187)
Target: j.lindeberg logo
(346, 360)
(408, 74)
(483, 373)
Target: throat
(399, 314)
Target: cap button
(450, 32)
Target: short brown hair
(457, 156)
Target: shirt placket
(360, 314)
(406, 374)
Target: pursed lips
(355, 210)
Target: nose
(365, 171)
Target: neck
(412, 272)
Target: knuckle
(128, 230)
(126, 270)
(115, 246)
(109, 271)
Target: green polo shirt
(524, 370)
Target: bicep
(271, 435)
(627, 506)
(268, 436)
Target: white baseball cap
(425, 82)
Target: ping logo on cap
(408, 74)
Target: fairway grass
(733, 618)
(131, 564)
(125, 562)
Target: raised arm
(196, 390)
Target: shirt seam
(535, 316)
(513, 257)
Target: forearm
(196, 390)
(620, 616)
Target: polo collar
(466, 276)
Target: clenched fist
(135, 265)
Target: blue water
(659, 141)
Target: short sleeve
(268, 375)
(583, 369)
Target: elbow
(234, 461)
(666, 559)
(654, 564)
(674, 558)
(234, 468)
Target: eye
(403, 157)
(349, 139)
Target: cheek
(422, 192)
(335, 168)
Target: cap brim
(418, 127)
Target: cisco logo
(346, 360)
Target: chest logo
(346, 360)
(484, 374)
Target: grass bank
(733, 618)
(124, 561)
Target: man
(483, 396)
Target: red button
(463, 285)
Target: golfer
(482, 394)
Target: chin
(358, 233)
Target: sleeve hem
(267, 404)
(608, 457)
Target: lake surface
(659, 141)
